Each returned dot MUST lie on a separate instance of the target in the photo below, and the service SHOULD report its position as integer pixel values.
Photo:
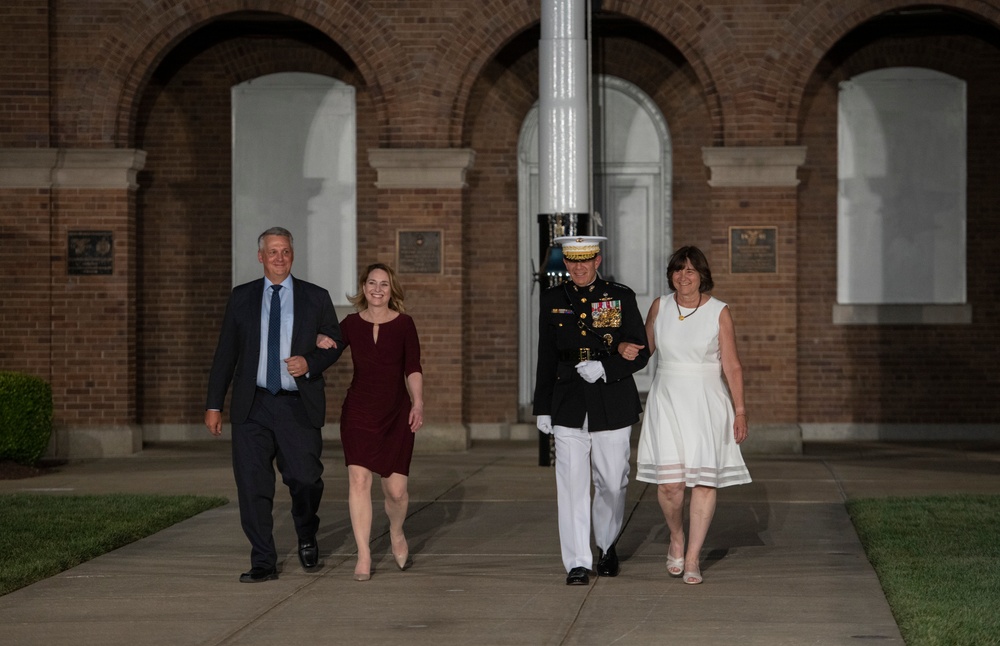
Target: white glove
(591, 371)
(544, 424)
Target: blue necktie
(274, 342)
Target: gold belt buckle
(584, 354)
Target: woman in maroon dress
(383, 409)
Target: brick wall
(24, 73)
(500, 101)
(762, 305)
(26, 240)
(93, 345)
(434, 301)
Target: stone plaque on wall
(90, 253)
(419, 252)
(753, 250)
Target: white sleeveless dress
(687, 428)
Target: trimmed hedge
(25, 417)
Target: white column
(563, 111)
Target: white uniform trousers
(580, 455)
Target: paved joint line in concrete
(836, 479)
(234, 635)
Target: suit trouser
(277, 430)
(581, 456)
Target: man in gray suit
(267, 350)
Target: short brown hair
(698, 261)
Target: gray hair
(275, 231)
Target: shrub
(25, 417)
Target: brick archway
(824, 25)
(107, 102)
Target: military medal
(606, 313)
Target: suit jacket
(599, 317)
(238, 351)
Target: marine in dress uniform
(586, 397)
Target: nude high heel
(363, 575)
(403, 560)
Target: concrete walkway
(784, 564)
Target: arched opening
(187, 246)
(631, 187)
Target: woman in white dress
(693, 423)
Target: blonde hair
(396, 293)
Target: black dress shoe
(258, 575)
(309, 553)
(577, 576)
(608, 564)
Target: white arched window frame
(294, 165)
(901, 202)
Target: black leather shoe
(577, 576)
(608, 564)
(309, 553)
(259, 575)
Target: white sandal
(675, 566)
(692, 578)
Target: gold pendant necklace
(681, 317)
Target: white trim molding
(848, 432)
(53, 168)
(754, 165)
(421, 167)
(915, 314)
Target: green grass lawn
(42, 535)
(938, 559)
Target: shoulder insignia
(621, 286)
